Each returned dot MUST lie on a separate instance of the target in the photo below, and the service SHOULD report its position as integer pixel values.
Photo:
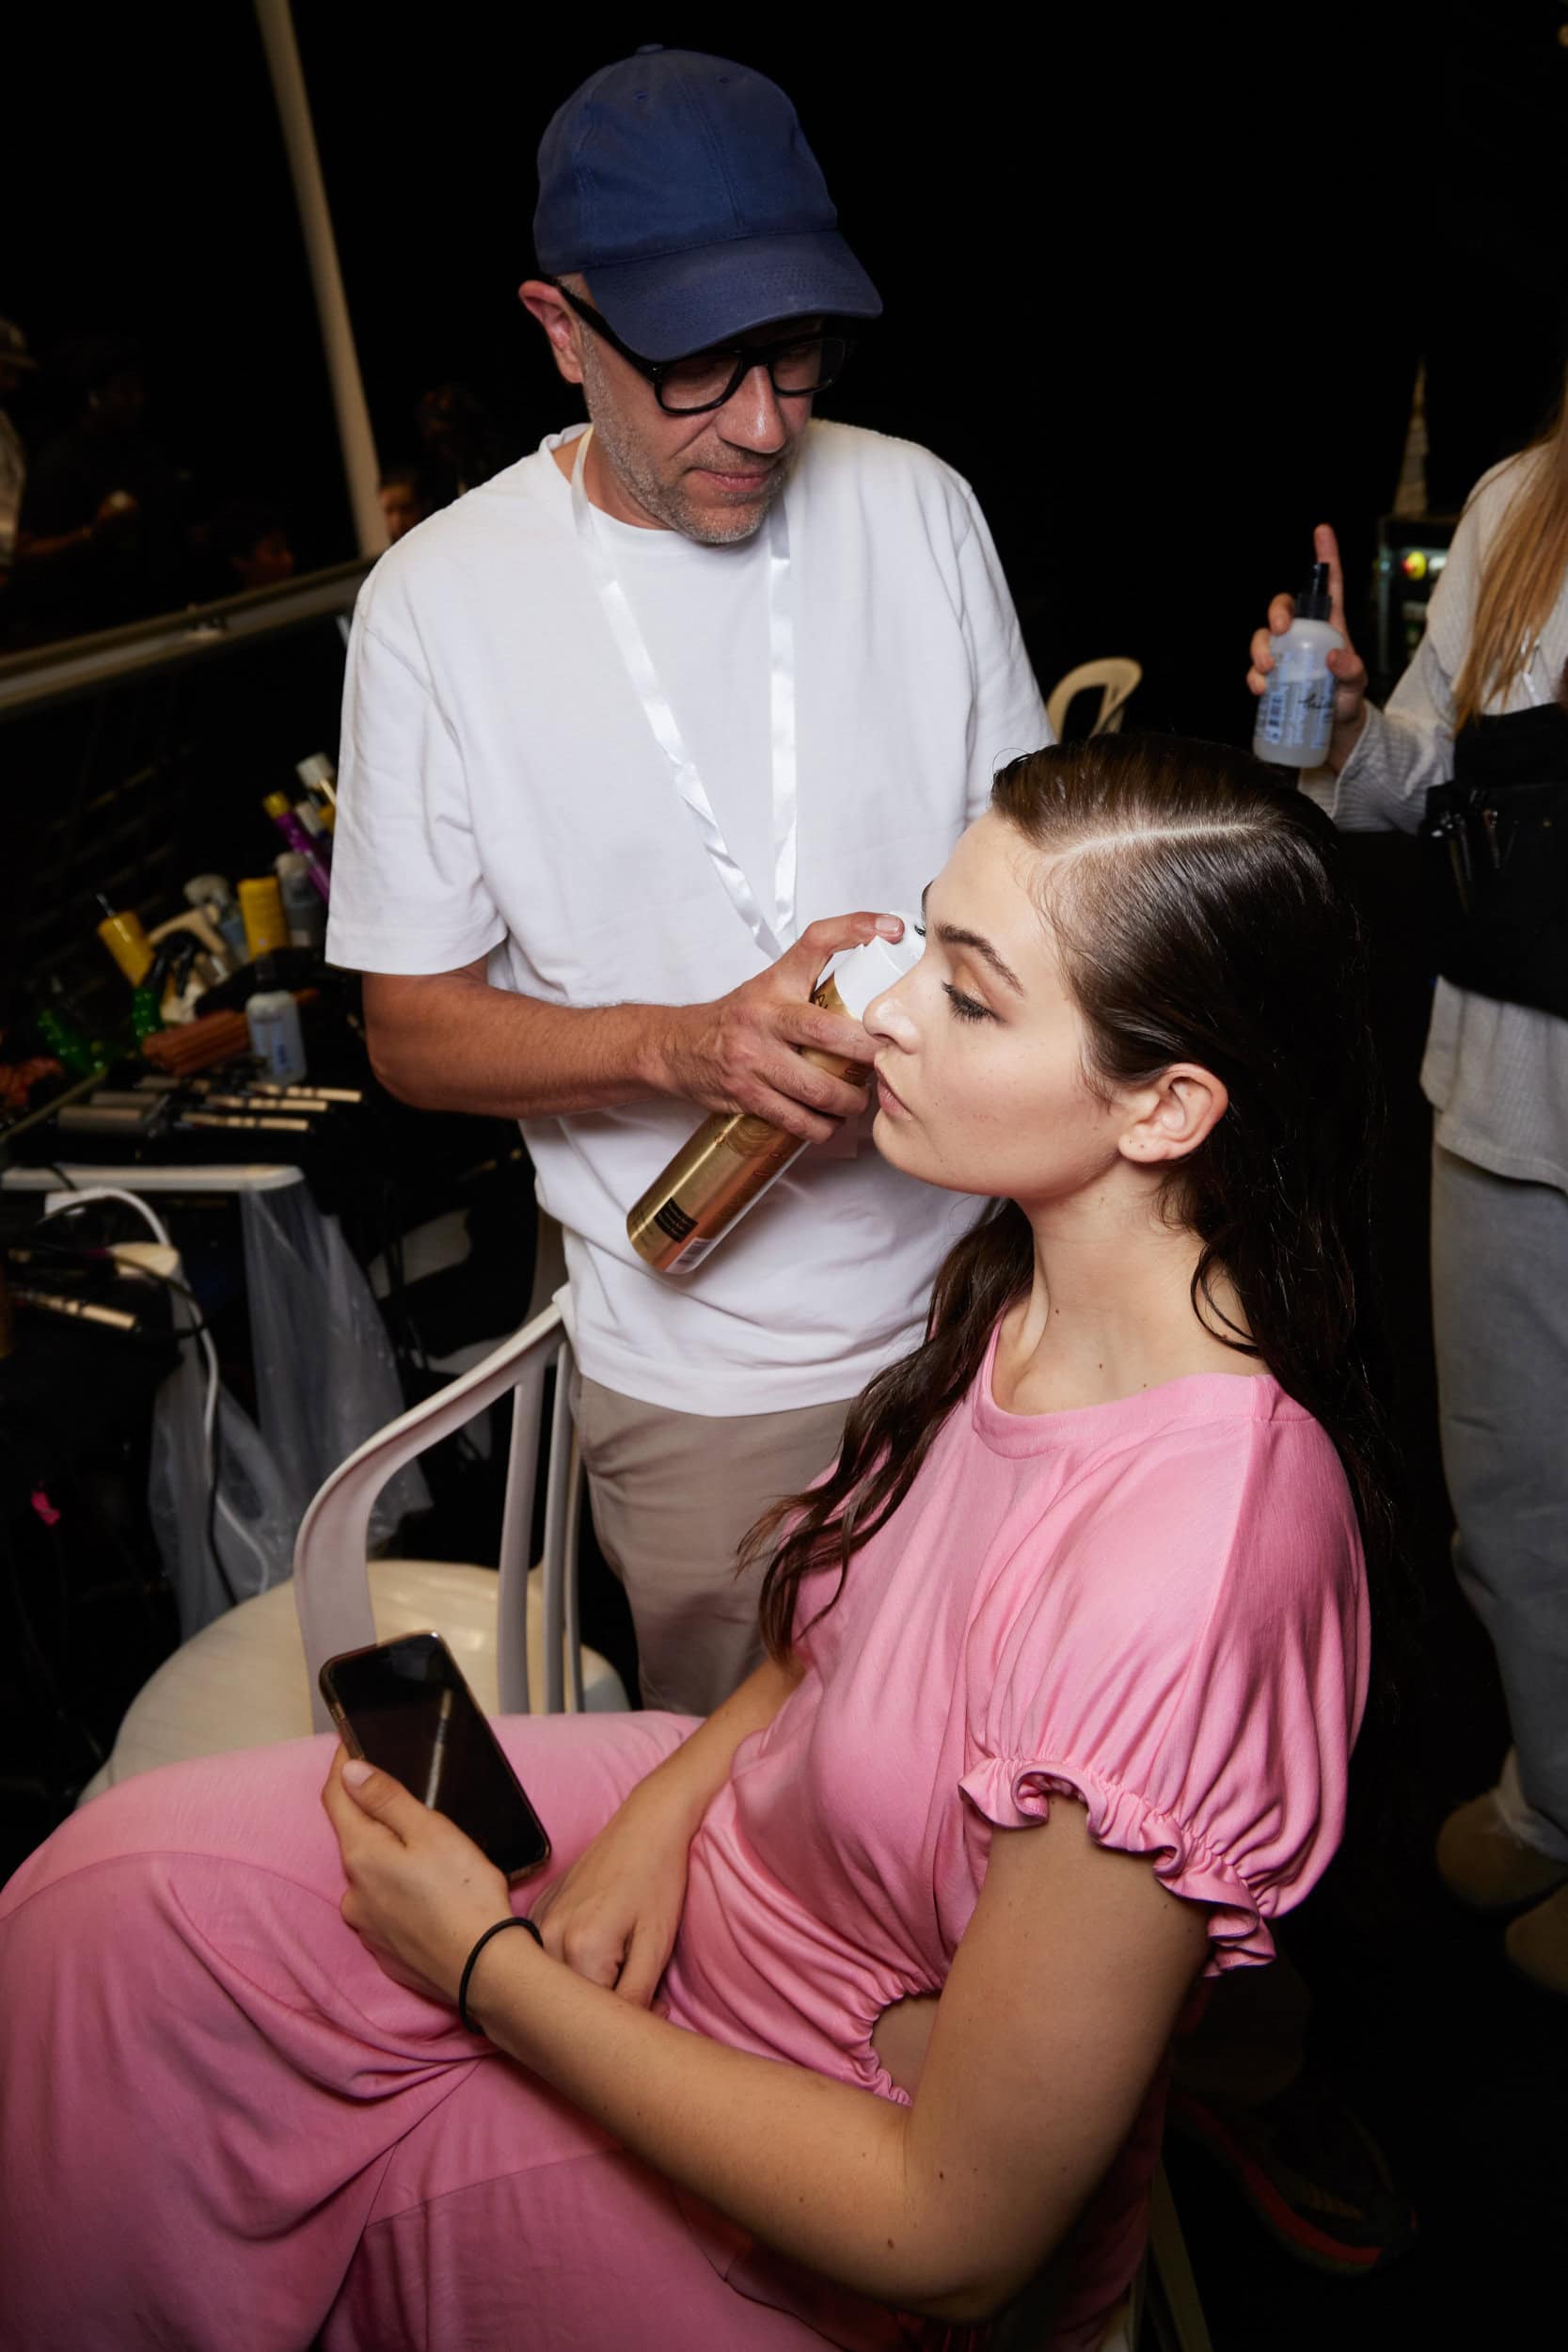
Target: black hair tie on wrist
(512, 1919)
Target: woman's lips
(892, 1104)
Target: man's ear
(1169, 1117)
(562, 331)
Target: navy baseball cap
(682, 187)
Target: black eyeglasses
(797, 365)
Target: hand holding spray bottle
(735, 1157)
(1295, 716)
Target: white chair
(1170, 2315)
(250, 1677)
(1160, 2312)
(1116, 676)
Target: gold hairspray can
(735, 1157)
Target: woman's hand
(420, 1893)
(1349, 669)
(612, 1917)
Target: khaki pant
(673, 1494)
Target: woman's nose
(888, 1016)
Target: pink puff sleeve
(1184, 1651)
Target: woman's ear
(1170, 1117)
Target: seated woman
(853, 2000)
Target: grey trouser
(1500, 1296)
(673, 1494)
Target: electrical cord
(196, 1328)
(216, 1502)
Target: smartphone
(404, 1707)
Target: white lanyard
(771, 937)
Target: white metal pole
(315, 220)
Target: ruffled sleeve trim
(1014, 1792)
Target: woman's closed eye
(964, 1008)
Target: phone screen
(409, 1711)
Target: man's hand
(117, 511)
(1349, 669)
(739, 1052)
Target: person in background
(1483, 708)
(618, 725)
(403, 501)
(462, 444)
(247, 545)
(16, 365)
(102, 527)
(847, 2019)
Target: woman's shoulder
(1493, 496)
(1185, 1651)
(1217, 1510)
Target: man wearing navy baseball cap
(627, 731)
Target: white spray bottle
(1295, 716)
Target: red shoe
(1311, 2173)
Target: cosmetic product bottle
(126, 941)
(148, 995)
(303, 910)
(191, 972)
(212, 896)
(272, 1017)
(261, 905)
(320, 779)
(320, 832)
(1295, 715)
(77, 1053)
(277, 807)
(734, 1157)
(195, 927)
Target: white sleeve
(1006, 715)
(407, 891)
(1402, 750)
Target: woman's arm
(1400, 753)
(1382, 763)
(612, 1917)
(1059, 2004)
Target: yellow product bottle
(261, 908)
(126, 941)
(733, 1156)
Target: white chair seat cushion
(241, 1681)
(1120, 2336)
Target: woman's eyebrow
(952, 936)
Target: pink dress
(223, 2126)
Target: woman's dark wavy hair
(1200, 917)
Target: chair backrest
(332, 1593)
(1116, 675)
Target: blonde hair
(1522, 572)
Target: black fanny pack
(1496, 846)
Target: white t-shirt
(500, 794)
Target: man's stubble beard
(665, 501)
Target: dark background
(1157, 281)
